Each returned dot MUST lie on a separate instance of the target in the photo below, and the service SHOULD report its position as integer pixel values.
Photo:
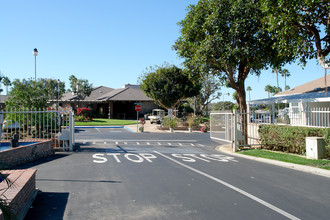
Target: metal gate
(33, 125)
(221, 126)
(225, 126)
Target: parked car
(9, 125)
(261, 118)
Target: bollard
(14, 141)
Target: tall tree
(276, 90)
(27, 94)
(210, 91)
(6, 82)
(1, 78)
(80, 87)
(269, 89)
(249, 89)
(168, 85)
(285, 73)
(227, 38)
(222, 106)
(53, 89)
(276, 70)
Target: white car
(8, 125)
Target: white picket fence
(33, 125)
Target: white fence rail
(34, 125)
(228, 126)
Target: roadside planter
(20, 195)
(171, 122)
(204, 129)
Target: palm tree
(276, 90)
(269, 89)
(285, 73)
(276, 70)
(249, 89)
(7, 83)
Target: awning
(304, 97)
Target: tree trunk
(243, 110)
(276, 71)
(239, 86)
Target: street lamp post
(35, 54)
(58, 94)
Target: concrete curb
(313, 170)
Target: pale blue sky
(108, 42)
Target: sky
(108, 42)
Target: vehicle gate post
(235, 131)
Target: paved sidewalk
(314, 170)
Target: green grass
(324, 164)
(105, 122)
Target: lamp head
(35, 52)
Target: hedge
(291, 138)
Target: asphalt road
(117, 174)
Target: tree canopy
(80, 87)
(27, 94)
(209, 92)
(168, 85)
(302, 28)
(53, 89)
(6, 82)
(227, 38)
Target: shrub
(191, 120)
(291, 138)
(79, 118)
(171, 122)
(85, 112)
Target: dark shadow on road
(77, 130)
(27, 165)
(91, 150)
(82, 181)
(48, 205)
(171, 146)
(119, 149)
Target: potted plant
(191, 122)
(204, 128)
(171, 122)
(142, 123)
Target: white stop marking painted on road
(147, 157)
(129, 157)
